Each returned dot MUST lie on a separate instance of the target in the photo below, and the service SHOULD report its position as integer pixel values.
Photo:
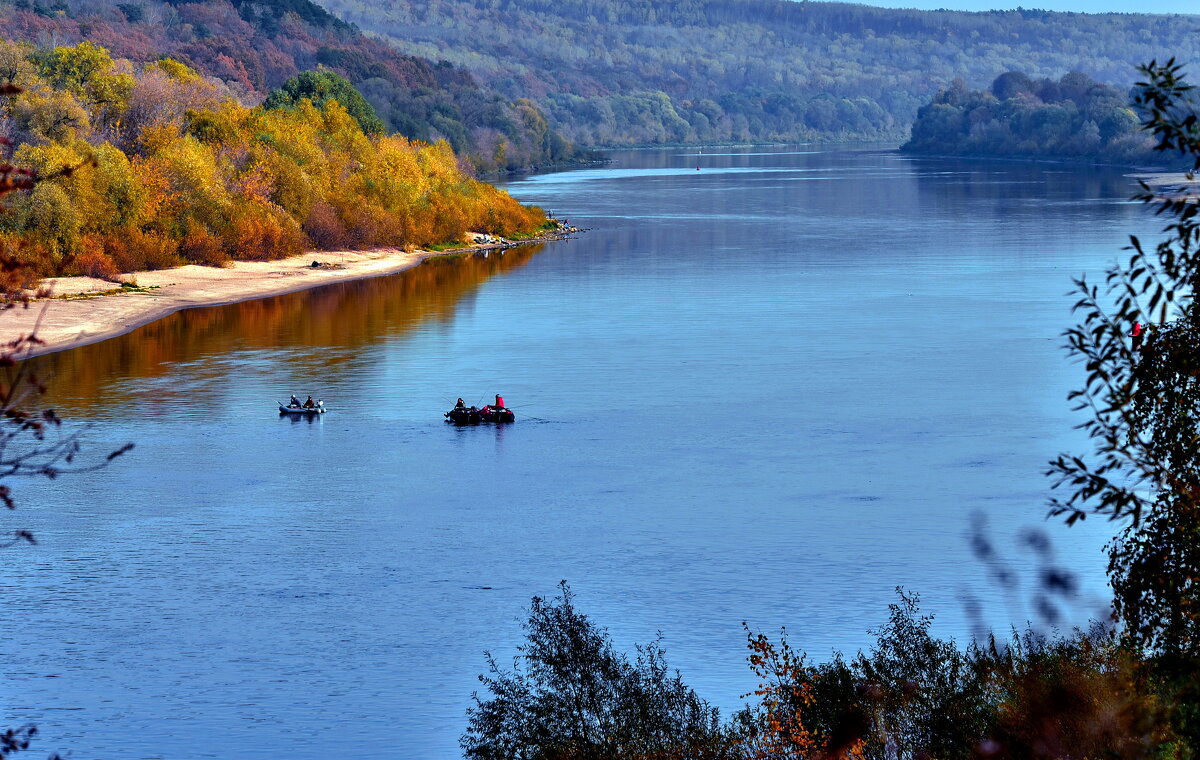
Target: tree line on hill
(254, 46)
(618, 72)
(1018, 116)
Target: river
(768, 389)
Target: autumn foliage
(169, 167)
(774, 728)
(256, 47)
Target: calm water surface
(769, 390)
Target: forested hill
(1071, 118)
(257, 45)
(652, 71)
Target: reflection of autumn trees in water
(344, 316)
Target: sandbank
(1170, 186)
(83, 310)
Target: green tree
(570, 695)
(86, 71)
(320, 87)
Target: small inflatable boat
(461, 415)
(318, 409)
(497, 414)
(473, 416)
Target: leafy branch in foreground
(1143, 405)
(1142, 398)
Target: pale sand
(1170, 185)
(63, 324)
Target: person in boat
(310, 404)
(499, 401)
(294, 401)
(461, 404)
(1138, 335)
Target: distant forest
(1073, 117)
(254, 46)
(616, 72)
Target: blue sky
(1082, 6)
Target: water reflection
(976, 180)
(305, 419)
(337, 320)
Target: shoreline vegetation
(1072, 119)
(79, 310)
(145, 166)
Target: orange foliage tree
(775, 728)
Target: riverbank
(1170, 186)
(82, 310)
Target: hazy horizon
(1191, 7)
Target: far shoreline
(83, 310)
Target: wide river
(770, 389)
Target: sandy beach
(1170, 185)
(82, 310)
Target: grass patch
(126, 287)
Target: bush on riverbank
(152, 166)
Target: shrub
(199, 246)
(1077, 697)
(325, 228)
(92, 261)
(256, 233)
(135, 250)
